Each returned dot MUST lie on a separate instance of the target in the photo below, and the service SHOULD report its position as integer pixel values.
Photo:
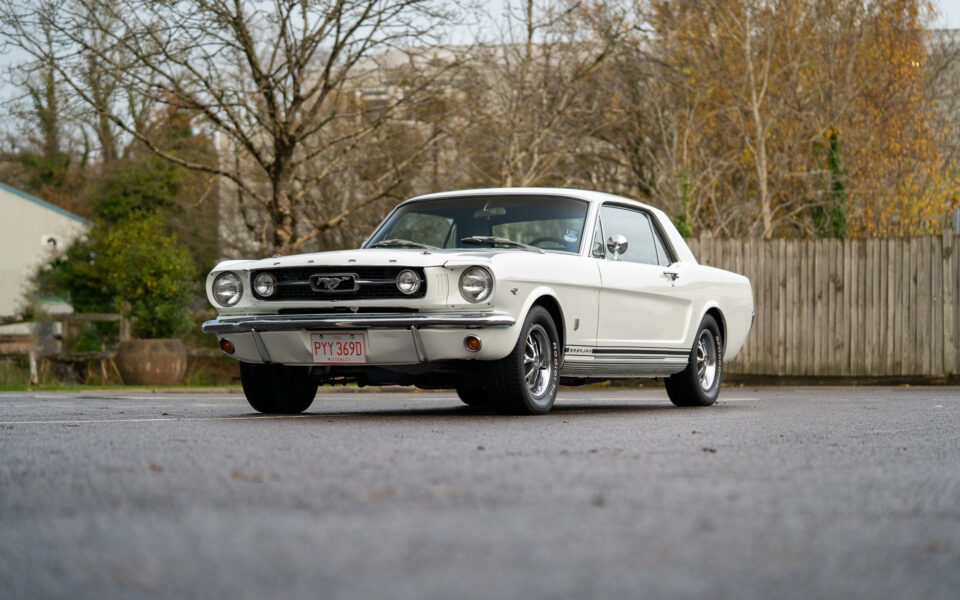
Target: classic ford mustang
(500, 294)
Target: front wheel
(473, 395)
(526, 381)
(276, 389)
(699, 383)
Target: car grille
(344, 310)
(339, 283)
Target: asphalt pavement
(772, 493)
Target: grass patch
(220, 372)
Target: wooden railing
(864, 308)
(35, 348)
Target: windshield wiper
(493, 239)
(396, 243)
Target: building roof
(43, 203)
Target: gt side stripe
(653, 351)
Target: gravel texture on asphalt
(772, 493)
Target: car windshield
(545, 222)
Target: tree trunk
(759, 129)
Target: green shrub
(78, 277)
(133, 267)
(152, 275)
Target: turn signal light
(227, 346)
(472, 343)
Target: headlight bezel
(216, 289)
(417, 279)
(471, 273)
(272, 282)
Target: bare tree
(650, 145)
(42, 144)
(527, 106)
(277, 81)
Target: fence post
(950, 304)
(34, 375)
(124, 329)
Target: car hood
(405, 257)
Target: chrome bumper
(263, 323)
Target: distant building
(31, 232)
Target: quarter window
(598, 243)
(662, 254)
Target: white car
(501, 294)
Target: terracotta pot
(152, 362)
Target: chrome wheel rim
(706, 359)
(537, 362)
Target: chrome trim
(316, 278)
(261, 347)
(418, 344)
(706, 357)
(359, 281)
(356, 321)
(381, 281)
(575, 366)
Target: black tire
(693, 386)
(276, 389)
(474, 396)
(536, 354)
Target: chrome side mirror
(617, 245)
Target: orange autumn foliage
(802, 109)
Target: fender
(723, 322)
(532, 298)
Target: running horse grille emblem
(330, 283)
(333, 283)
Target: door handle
(673, 275)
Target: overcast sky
(950, 13)
(948, 10)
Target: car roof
(589, 196)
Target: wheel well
(718, 317)
(553, 307)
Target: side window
(636, 227)
(662, 254)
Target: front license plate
(340, 348)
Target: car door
(642, 305)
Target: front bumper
(263, 323)
(392, 339)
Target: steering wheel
(548, 238)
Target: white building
(31, 232)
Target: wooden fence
(865, 308)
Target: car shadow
(565, 409)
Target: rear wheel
(525, 382)
(699, 383)
(276, 389)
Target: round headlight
(265, 284)
(408, 282)
(227, 289)
(476, 284)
